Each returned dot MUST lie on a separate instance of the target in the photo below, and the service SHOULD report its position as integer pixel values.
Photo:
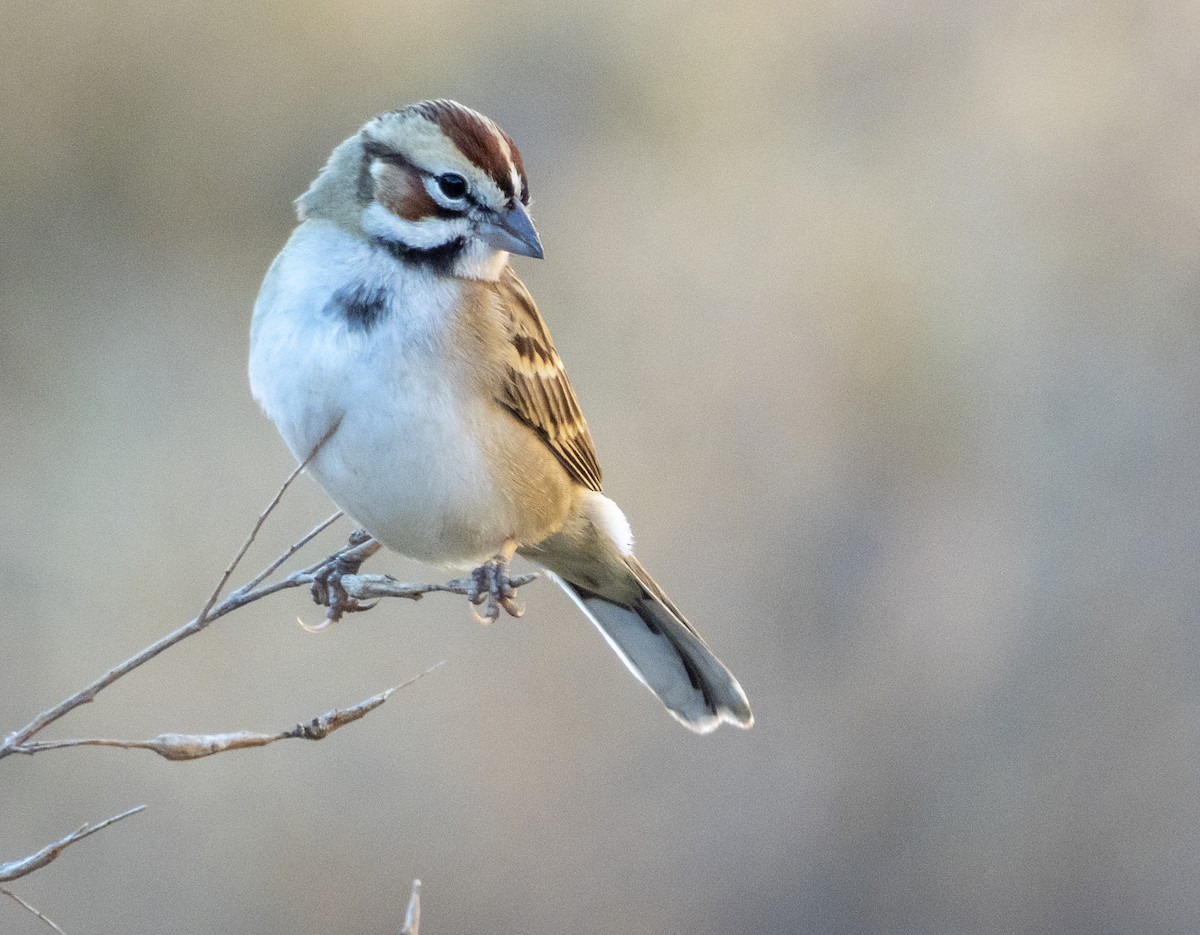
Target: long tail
(665, 654)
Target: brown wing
(536, 389)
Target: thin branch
(328, 573)
(354, 589)
(195, 746)
(371, 587)
(20, 902)
(15, 869)
(412, 918)
(357, 587)
(361, 587)
(262, 518)
(14, 741)
(291, 550)
(18, 738)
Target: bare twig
(20, 902)
(290, 551)
(352, 589)
(18, 738)
(363, 587)
(262, 518)
(16, 869)
(412, 918)
(195, 746)
(370, 587)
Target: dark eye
(453, 185)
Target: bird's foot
(492, 587)
(327, 587)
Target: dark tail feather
(660, 647)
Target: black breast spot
(361, 306)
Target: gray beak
(513, 231)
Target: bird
(397, 351)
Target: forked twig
(262, 518)
(360, 587)
(173, 746)
(290, 551)
(14, 741)
(15, 869)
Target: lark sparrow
(392, 336)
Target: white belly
(406, 461)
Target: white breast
(403, 461)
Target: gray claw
(490, 585)
(327, 588)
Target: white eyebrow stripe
(507, 150)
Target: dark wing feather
(536, 389)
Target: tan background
(884, 315)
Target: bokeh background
(884, 316)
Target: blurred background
(884, 316)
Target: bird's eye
(453, 185)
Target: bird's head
(435, 183)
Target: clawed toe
(491, 587)
(327, 587)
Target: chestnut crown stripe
(479, 140)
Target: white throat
(477, 260)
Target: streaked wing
(536, 389)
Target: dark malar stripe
(440, 259)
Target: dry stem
(361, 587)
(195, 746)
(412, 918)
(15, 869)
(32, 909)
